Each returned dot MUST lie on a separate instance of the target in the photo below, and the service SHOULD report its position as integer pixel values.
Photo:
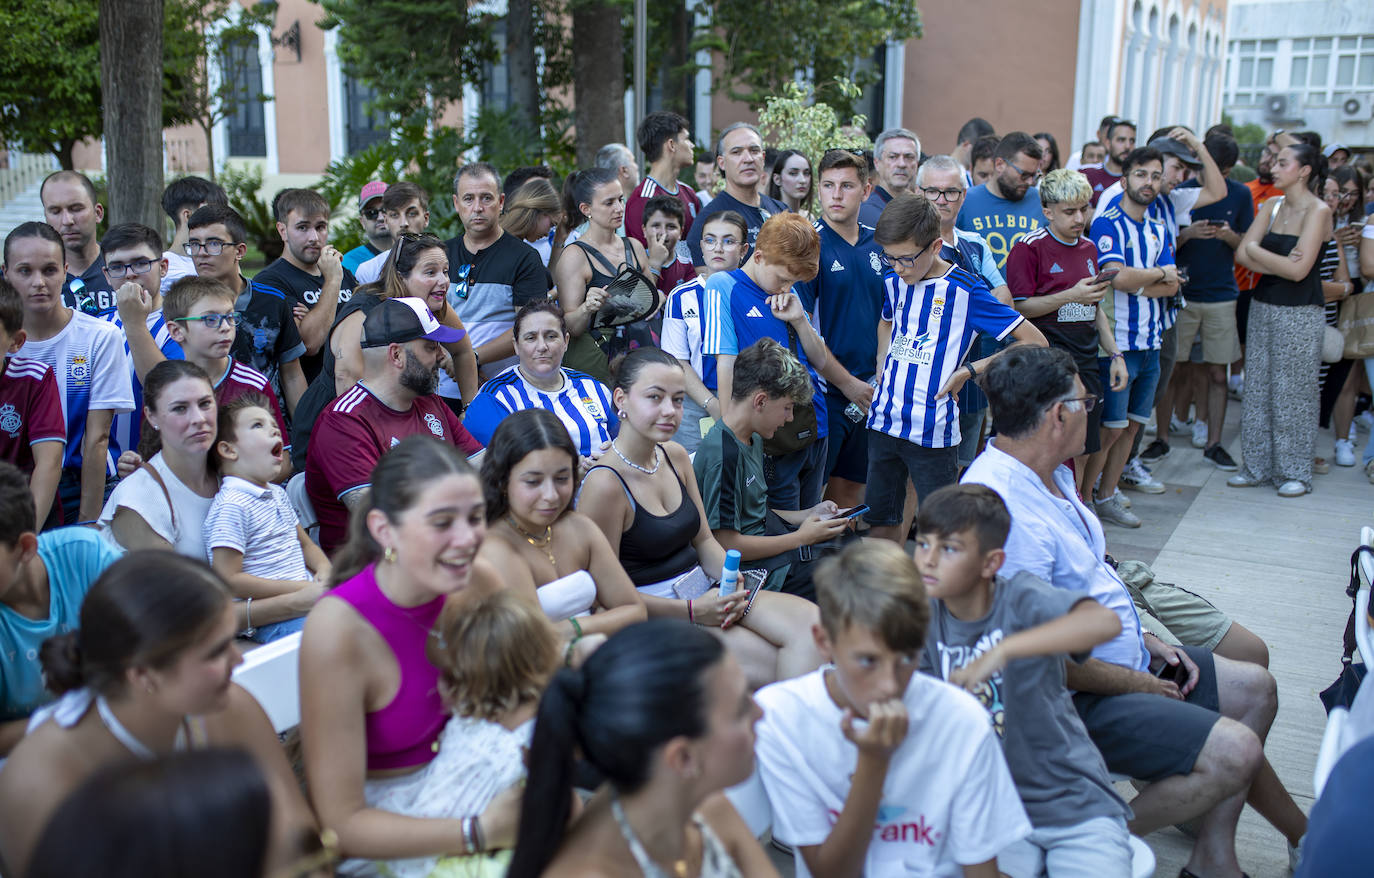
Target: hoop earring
(389, 556)
(621, 414)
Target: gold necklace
(544, 545)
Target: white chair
(305, 510)
(1345, 727)
(751, 801)
(271, 674)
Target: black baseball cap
(397, 321)
(1169, 146)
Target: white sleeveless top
(571, 595)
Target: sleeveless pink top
(402, 734)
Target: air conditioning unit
(1282, 107)
(1356, 107)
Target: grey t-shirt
(1059, 774)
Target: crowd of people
(520, 492)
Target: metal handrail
(21, 171)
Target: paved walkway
(1279, 566)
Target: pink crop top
(402, 734)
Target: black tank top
(659, 547)
(1275, 290)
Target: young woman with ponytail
(1278, 431)
(371, 708)
(662, 711)
(148, 672)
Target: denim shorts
(1137, 400)
(891, 463)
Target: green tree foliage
(50, 97)
(418, 54)
(795, 120)
(50, 74)
(764, 45)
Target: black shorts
(1090, 373)
(1151, 737)
(847, 455)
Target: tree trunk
(209, 151)
(62, 150)
(131, 86)
(598, 78)
(524, 79)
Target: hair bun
(60, 658)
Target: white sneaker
(1150, 429)
(1122, 498)
(1136, 477)
(1364, 422)
(1199, 434)
(1178, 427)
(1345, 452)
(1235, 385)
(1112, 512)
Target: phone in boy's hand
(1173, 673)
(1217, 224)
(851, 512)
(1105, 277)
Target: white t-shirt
(179, 265)
(948, 799)
(140, 493)
(370, 270)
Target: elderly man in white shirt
(1189, 723)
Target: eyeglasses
(1026, 176)
(711, 242)
(213, 321)
(1088, 402)
(213, 246)
(126, 269)
(950, 195)
(1142, 174)
(889, 261)
(460, 289)
(1347, 194)
(371, 213)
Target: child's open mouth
(277, 450)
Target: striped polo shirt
(1137, 320)
(934, 323)
(260, 523)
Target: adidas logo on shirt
(1055, 269)
(836, 266)
(753, 312)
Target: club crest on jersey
(875, 262)
(436, 426)
(592, 408)
(10, 420)
(937, 308)
(79, 369)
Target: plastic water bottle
(853, 412)
(729, 573)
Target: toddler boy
(252, 536)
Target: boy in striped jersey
(33, 430)
(1140, 249)
(932, 313)
(135, 264)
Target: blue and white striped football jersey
(1137, 320)
(126, 426)
(583, 404)
(934, 323)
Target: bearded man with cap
(395, 398)
(376, 236)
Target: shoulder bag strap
(157, 477)
(595, 254)
(1351, 590)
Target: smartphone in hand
(1105, 277)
